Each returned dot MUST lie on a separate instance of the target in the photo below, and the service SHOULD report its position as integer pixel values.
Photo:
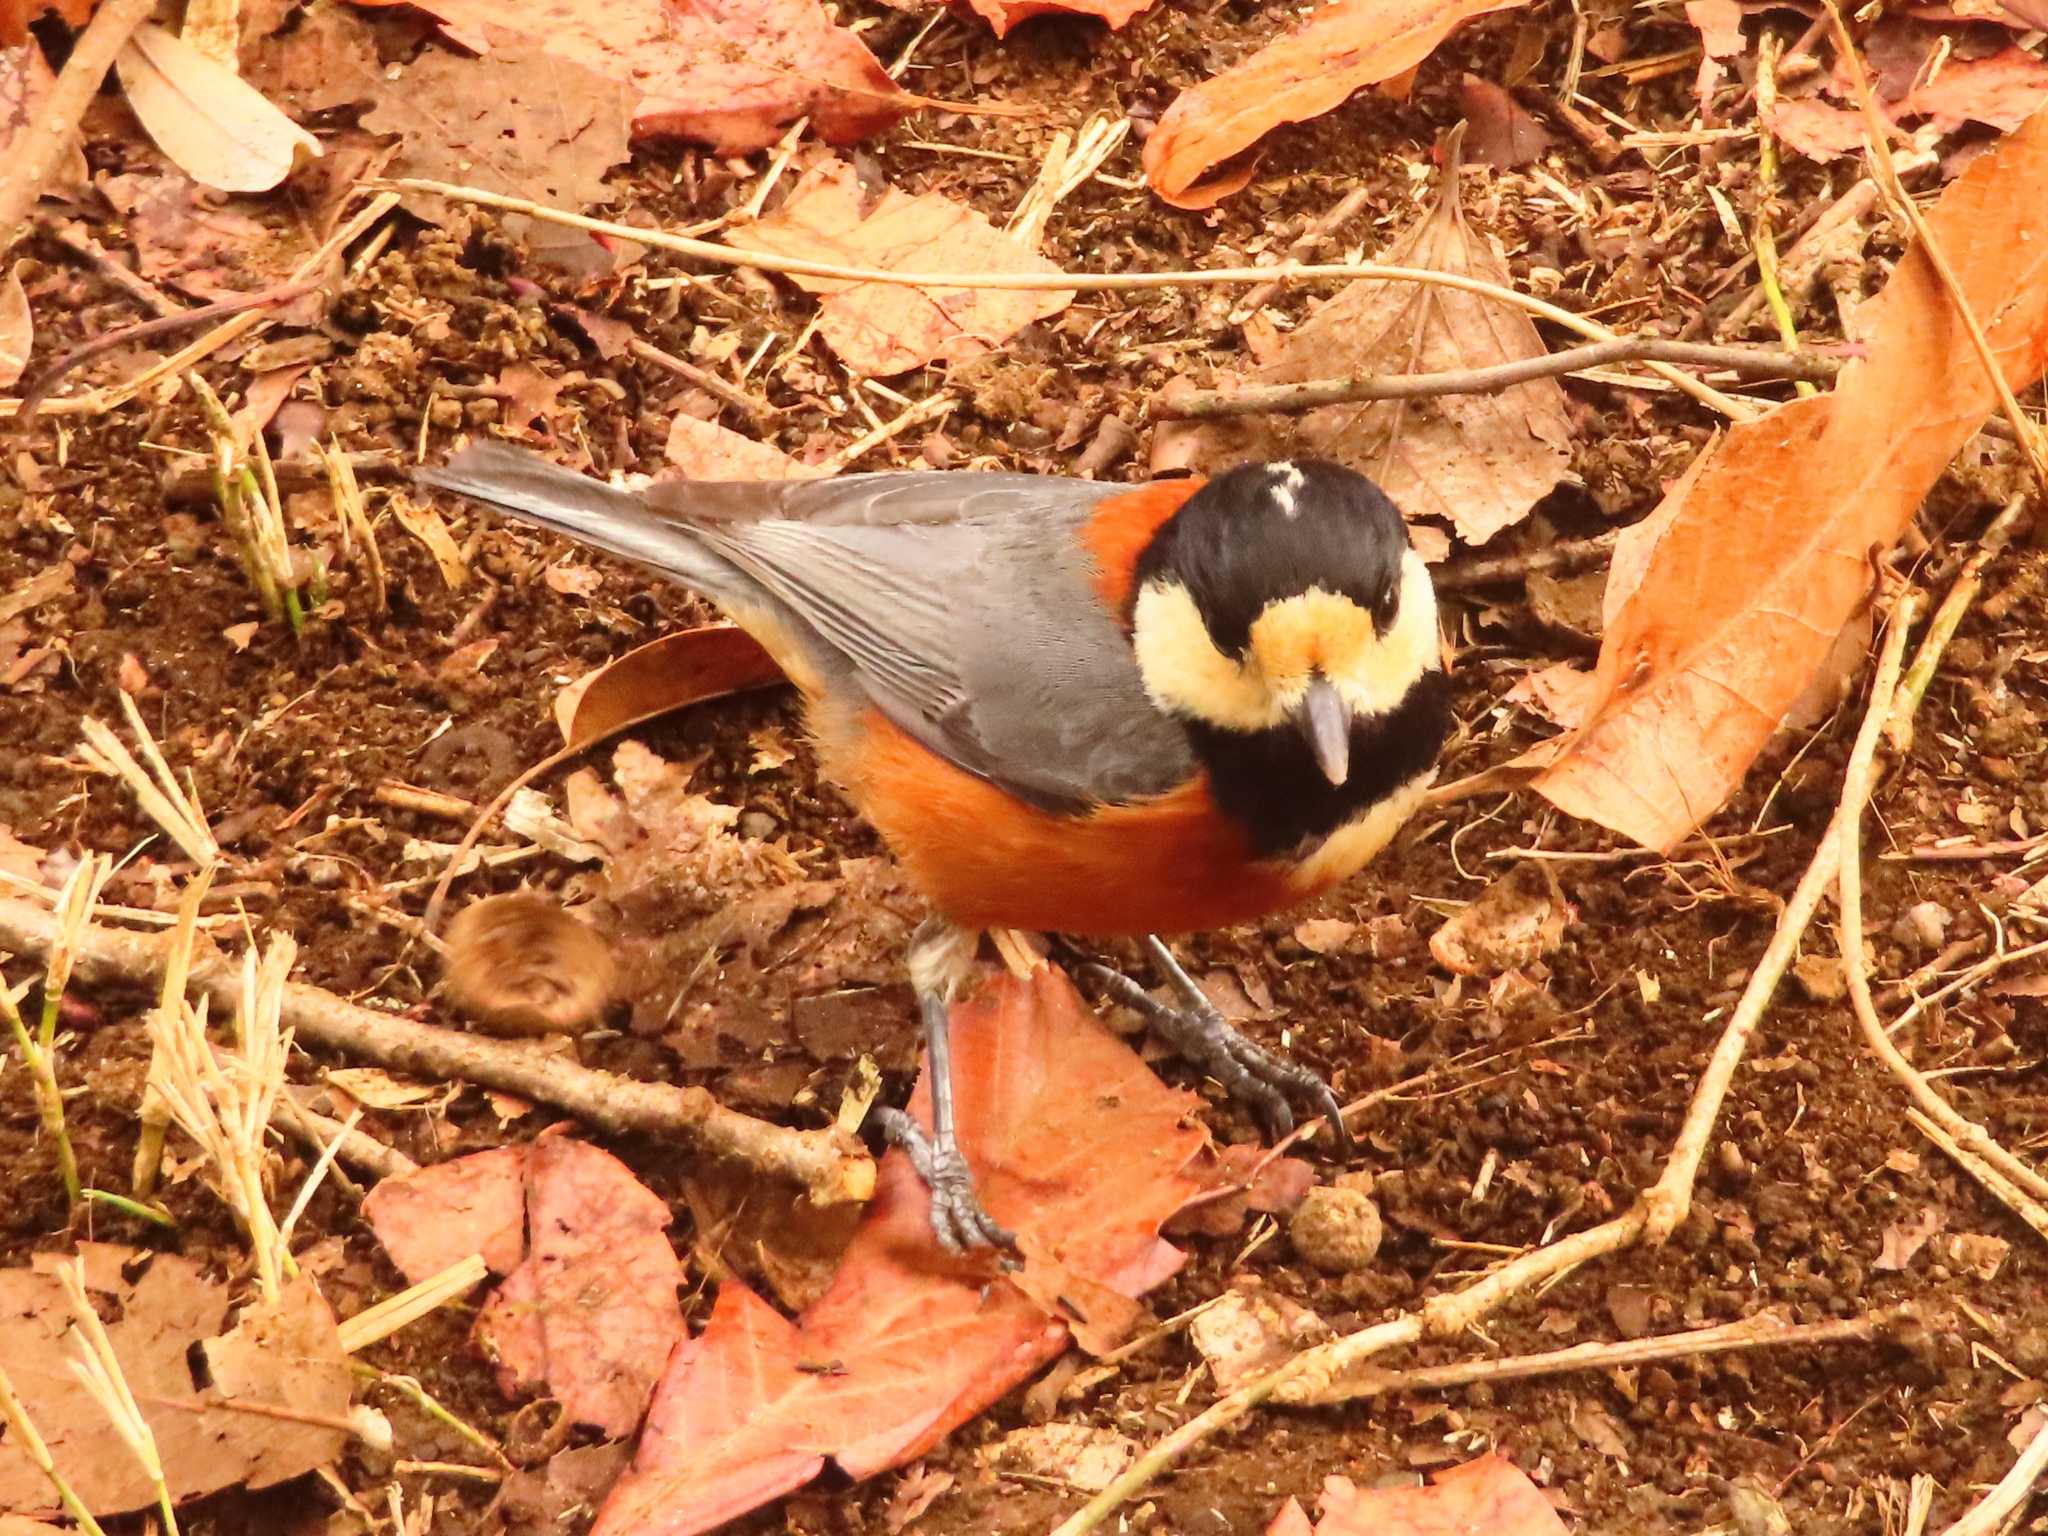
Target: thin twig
(931, 408)
(1281, 399)
(1561, 558)
(759, 412)
(1062, 282)
(2010, 1496)
(830, 1167)
(33, 158)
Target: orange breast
(1170, 865)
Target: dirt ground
(1589, 1059)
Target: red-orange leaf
(1487, 1497)
(1343, 48)
(1005, 14)
(1077, 1147)
(1761, 553)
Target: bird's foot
(1260, 1079)
(958, 1221)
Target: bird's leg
(1250, 1073)
(958, 1220)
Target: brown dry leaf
(164, 1306)
(185, 238)
(441, 1215)
(522, 120)
(1479, 462)
(770, 1229)
(217, 128)
(1697, 668)
(1487, 1497)
(1516, 921)
(17, 328)
(1907, 1236)
(1002, 15)
(431, 529)
(1818, 131)
(915, 1494)
(1342, 48)
(729, 73)
(703, 450)
(2002, 91)
(1500, 131)
(667, 674)
(1251, 1329)
(326, 58)
(1720, 26)
(1083, 1456)
(46, 586)
(879, 329)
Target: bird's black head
(1285, 595)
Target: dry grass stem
(931, 408)
(1070, 161)
(98, 1370)
(175, 810)
(351, 512)
(411, 1304)
(15, 1414)
(1991, 1513)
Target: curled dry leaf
(1342, 48)
(1005, 14)
(1516, 921)
(1076, 1146)
(728, 73)
(703, 450)
(671, 673)
(287, 1358)
(1479, 462)
(1697, 667)
(1487, 1497)
(17, 328)
(520, 965)
(219, 129)
(882, 329)
(2002, 91)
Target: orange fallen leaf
(703, 450)
(1818, 131)
(1005, 14)
(589, 1306)
(17, 328)
(1077, 1147)
(1761, 552)
(882, 329)
(728, 73)
(1487, 1497)
(15, 15)
(671, 673)
(1343, 48)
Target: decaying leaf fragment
(882, 329)
(1487, 1497)
(1341, 49)
(1005, 14)
(1478, 462)
(220, 130)
(17, 328)
(286, 1359)
(728, 73)
(1762, 550)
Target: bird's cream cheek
(1182, 670)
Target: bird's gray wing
(968, 616)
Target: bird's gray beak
(1324, 719)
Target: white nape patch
(1287, 479)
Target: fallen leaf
(1515, 922)
(881, 329)
(1082, 1456)
(523, 120)
(185, 237)
(17, 328)
(1818, 131)
(216, 127)
(1980, 1253)
(1324, 935)
(1907, 1236)
(374, 1088)
(915, 1494)
(771, 1229)
(1487, 1497)
(1479, 462)
(442, 1214)
(1076, 1146)
(1696, 669)
(2002, 91)
(1597, 1428)
(1341, 49)
(431, 529)
(592, 1313)
(239, 635)
(1249, 1330)
(1720, 26)
(164, 1308)
(703, 450)
(46, 586)
(728, 73)
(573, 580)
(1500, 132)
(1001, 15)
(671, 673)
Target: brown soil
(1812, 1162)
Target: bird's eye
(1383, 609)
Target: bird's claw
(1254, 1076)
(958, 1220)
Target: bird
(1096, 710)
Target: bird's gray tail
(620, 522)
